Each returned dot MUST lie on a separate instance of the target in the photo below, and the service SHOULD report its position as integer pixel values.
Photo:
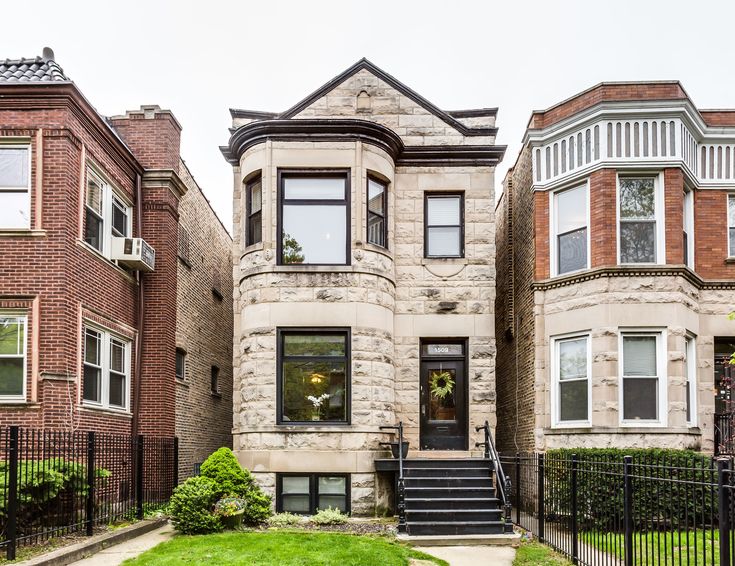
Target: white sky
(201, 58)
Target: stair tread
(449, 511)
(454, 523)
(452, 499)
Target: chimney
(152, 134)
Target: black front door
(443, 396)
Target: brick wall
(603, 230)
(710, 235)
(674, 213)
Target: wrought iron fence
(59, 482)
(643, 511)
(724, 434)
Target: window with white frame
(570, 230)
(639, 231)
(12, 357)
(731, 225)
(572, 364)
(690, 367)
(15, 187)
(642, 376)
(107, 215)
(688, 218)
(106, 369)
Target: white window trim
(659, 215)
(689, 224)
(691, 377)
(108, 191)
(105, 369)
(730, 251)
(553, 229)
(556, 422)
(28, 189)
(18, 398)
(661, 369)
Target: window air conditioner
(134, 253)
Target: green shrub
(284, 520)
(329, 516)
(663, 485)
(191, 507)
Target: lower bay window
(572, 379)
(313, 378)
(643, 378)
(12, 357)
(307, 493)
(106, 369)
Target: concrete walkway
(115, 555)
(472, 555)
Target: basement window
(307, 493)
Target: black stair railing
(503, 481)
(401, 495)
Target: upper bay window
(444, 225)
(570, 222)
(254, 205)
(107, 215)
(731, 224)
(313, 378)
(640, 233)
(12, 357)
(106, 369)
(314, 218)
(688, 228)
(377, 212)
(15, 187)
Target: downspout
(141, 311)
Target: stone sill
(9, 404)
(694, 431)
(111, 412)
(22, 233)
(183, 383)
(314, 269)
(730, 260)
(107, 261)
(310, 429)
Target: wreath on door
(441, 384)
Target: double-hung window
(688, 218)
(307, 493)
(12, 357)
(107, 215)
(180, 364)
(15, 187)
(690, 367)
(444, 225)
(106, 369)
(377, 212)
(254, 211)
(313, 379)
(570, 230)
(643, 377)
(572, 363)
(639, 234)
(314, 218)
(731, 225)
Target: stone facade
(388, 297)
(674, 298)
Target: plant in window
(441, 384)
(317, 402)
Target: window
(731, 225)
(690, 367)
(572, 363)
(214, 380)
(106, 214)
(444, 235)
(254, 221)
(313, 380)
(377, 212)
(642, 377)
(180, 364)
(307, 493)
(12, 357)
(570, 228)
(15, 187)
(639, 240)
(314, 218)
(184, 247)
(688, 218)
(106, 369)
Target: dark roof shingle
(31, 71)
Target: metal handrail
(401, 482)
(503, 481)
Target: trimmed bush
(329, 516)
(284, 520)
(191, 507)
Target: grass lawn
(672, 547)
(537, 554)
(281, 548)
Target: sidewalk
(472, 555)
(115, 555)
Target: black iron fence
(59, 482)
(642, 511)
(724, 434)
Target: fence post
(90, 482)
(628, 508)
(11, 528)
(575, 526)
(176, 461)
(139, 473)
(541, 510)
(723, 491)
(518, 488)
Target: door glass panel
(442, 385)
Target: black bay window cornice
(335, 130)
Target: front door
(443, 396)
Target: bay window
(15, 187)
(643, 377)
(640, 237)
(106, 369)
(570, 225)
(731, 225)
(572, 363)
(444, 225)
(12, 357)
(377, 212)
(688, 218)
(254, 211)
(690, 367)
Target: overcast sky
(201, 58)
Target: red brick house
(98, 218)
